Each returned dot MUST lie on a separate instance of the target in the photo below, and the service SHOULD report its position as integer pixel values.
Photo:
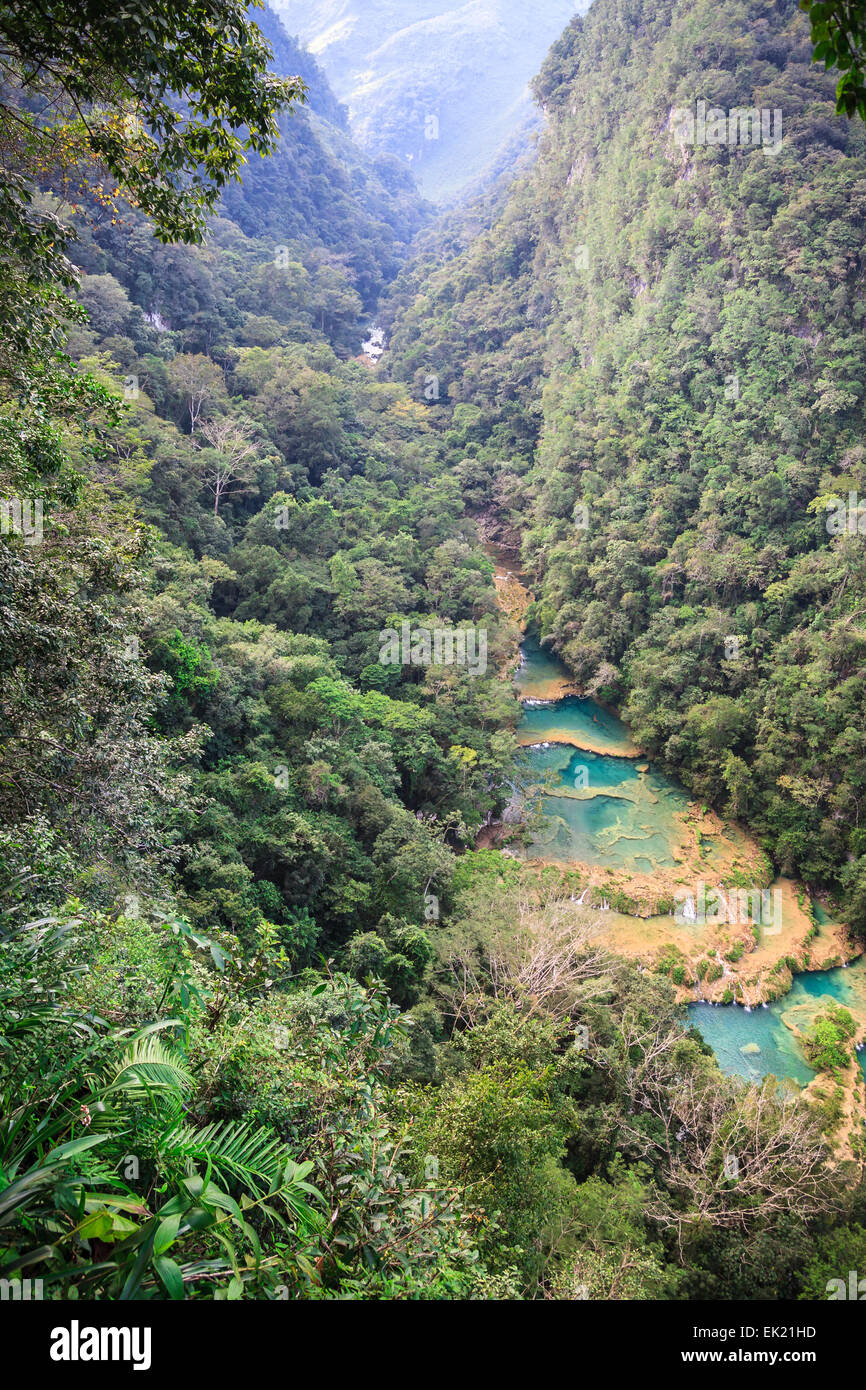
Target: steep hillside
(290, 56)
(319, 188)
(652, 368)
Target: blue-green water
(603, 807)
(583, 721)
(537, 664)
(728, 1028)
(599, 807)
(605, 810)
(846, 986)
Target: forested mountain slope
(317, 202)
(234, 799)
(654, 361)
(286, 506)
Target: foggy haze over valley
(441, 85)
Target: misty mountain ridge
(441, 86)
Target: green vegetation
(270, 1026)
(828, 1043)
(652, 359)
(412, 76)
(839, 36)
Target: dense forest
(654, 360)
(273, 1027)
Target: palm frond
(250, 1155)
(148, 1065)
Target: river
(607, 811)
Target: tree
(828, 1044)
(834, 1254)
(73, 1211)
(107, 304)
(166, 96)
(199, 380)
(156, 102)
(229, 461)
(734, 1156)
(499, 1133)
